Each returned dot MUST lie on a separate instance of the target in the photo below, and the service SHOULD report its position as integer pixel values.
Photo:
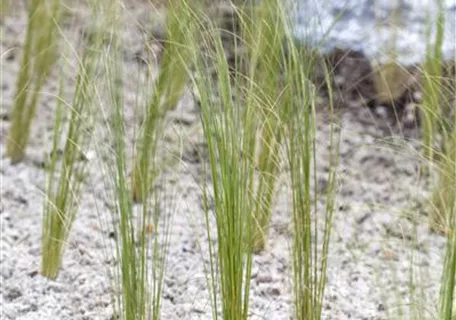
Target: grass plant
(168, 89)
(263, 30)
(248, 114)
(439, 129)
(141, 232)
(65, 178)
(439, 134)
(39, 56)
(444, 200)
(310, 248)
(447, 288)
(132, 293)
(432, 76)
(442, 204)
(272, 98)
(439, 153)
(230, 130)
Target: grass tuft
(141, 232)
(432, 94)
(439, 129)
(40, 54)
(168, 89)
(230, 130)
(263, 32)
(310, 248)
(448, 283)
(62, 199)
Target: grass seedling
(447, 290)
(432, 75)
(40, 54)
(62, 200)
(444, 194)
(271, 96)
(309, 259)
(263, 32)
(448, 209)
(230, 130)
(168, 90)
(439, 128)
(141, 247)
(52, 224)
(444, 201)
(132, 285)
(132, 288)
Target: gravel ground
(375, 231)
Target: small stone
(182, 118)
(417, 96)
(11, 55)
(409, 118)
(4, 114)
(274, 291)
(56, 287)
(381, 111)
(13, 294)
(264, 279)
(33, 274)
(9, 312)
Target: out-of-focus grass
(448, 209)
(141, 232)
(4, 8)
(168, 89)
(132, 294)
(439, 128)
(310, 247)
(444, 202)
(263, 31)
(432, 87)
(438, 118)
(62, 199)
(39, 56)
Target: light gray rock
(375, 26)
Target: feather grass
(40, 54)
